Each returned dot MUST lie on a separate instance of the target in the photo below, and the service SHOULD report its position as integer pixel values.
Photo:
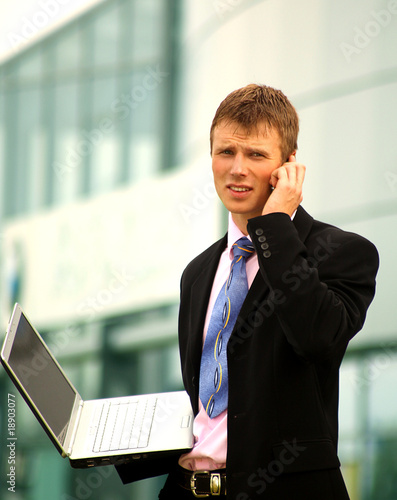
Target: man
(309, 287)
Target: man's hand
(287, 182)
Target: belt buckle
(215, 484)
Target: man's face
(242, 164)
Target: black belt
(202, 483)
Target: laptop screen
(41, 378)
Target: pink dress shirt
(210, 435)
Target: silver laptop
(96, 432)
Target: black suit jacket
(309, 298)
(307, 301)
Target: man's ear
(293, 153)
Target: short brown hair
(253, 105)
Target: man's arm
(321, 287)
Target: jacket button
(259, 232)
(267, 254)
(265, 246)
(261, 239)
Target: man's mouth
(239, 189)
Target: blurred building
(106, 194)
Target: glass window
(104, 138)
(24, 159)
(13, 171)
(68, 50)
(70, 147)
(30, 65)
(32, 148)
(145, 99)
(2, 145)
(106, 36)
(96, 93)
(10, 73)
(126, 9)
(172, 378)
(381, 371)
(148, 25)
(349, 392)
(351, 440)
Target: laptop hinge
(76, 424)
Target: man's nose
(239, 166)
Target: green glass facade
(85, 110)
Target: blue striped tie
(213, 369)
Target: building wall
(104, 144)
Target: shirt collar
(233, 234)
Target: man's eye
(227, 152)
(256, 154)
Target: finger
(273, 179)
(296, 173)
(276, 175)
(280, 173)
(291, 173)
(300, 173)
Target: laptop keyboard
(124, 425)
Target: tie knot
(243, 247)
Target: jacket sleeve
(320, 288)
(137, 470)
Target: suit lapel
(199, 297)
